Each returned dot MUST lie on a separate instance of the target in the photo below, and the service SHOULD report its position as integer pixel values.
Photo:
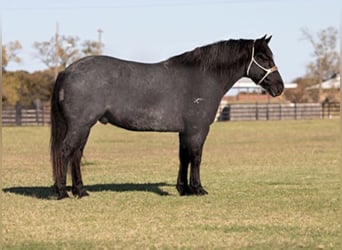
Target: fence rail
(277, 111)
(19, 116)
(40, 115)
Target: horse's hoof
(79, 192)
(62, 195)
(183, 190)
(82, 194)
(199, 191)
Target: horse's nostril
(281, 89)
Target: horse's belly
(146, 120)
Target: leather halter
(268, 71)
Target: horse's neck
(231, 76)
(226, 76)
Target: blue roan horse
(180, 94)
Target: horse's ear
(267, 40)
(262, 38)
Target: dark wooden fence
(277, 111)
(39, 114)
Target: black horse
(180, 94)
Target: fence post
(43, 115)
(280, 112)
(38, 104)
(295, 111)
(18, 114)
(256, 111)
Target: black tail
(58, 128)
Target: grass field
(272, 185)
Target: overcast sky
(150, 31)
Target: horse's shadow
(46, 193)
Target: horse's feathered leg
(77, 183)
(74, 139)
(191, 152)
(182, 181)
(195, 144)
(195, 180)
(60, 178)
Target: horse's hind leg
(74, 140)
(77, 183)
(60, 178)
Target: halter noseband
(268, 71)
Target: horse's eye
(262, 57)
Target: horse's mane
(216, 56)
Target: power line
(64, 6)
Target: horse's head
(261, 67)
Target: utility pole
(56, 49)
(99, 42)
(319, 98)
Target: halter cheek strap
(268, 71)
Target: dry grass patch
(271, 185)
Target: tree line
(24, 87)
(325, 65)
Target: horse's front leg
(182, 180)
(195, 142)
(195, 178)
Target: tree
(10, 53)
(4, 60)
(300, 94)
(10, 87)
(91, 48)
(68, 50)
(326, 59)
(24, 87)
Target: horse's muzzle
(276, 90)
(273, 88)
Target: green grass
(272, 185)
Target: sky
(151, 30)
